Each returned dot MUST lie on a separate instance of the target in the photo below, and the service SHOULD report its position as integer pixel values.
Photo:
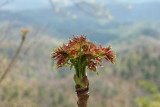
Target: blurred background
(132, 27)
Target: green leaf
(71, 66)
(97, 72)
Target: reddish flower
(73, 52)
(100, 47)
(97, 51)
(78, 47)
(92, 66)
(98, 60)
(85, 48)
(92, 46)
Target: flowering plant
(80, 51)
(82, 54)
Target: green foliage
(154, 100)
(143, 102)
(10, 94)
(157, 97)
(150, 87)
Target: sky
(138, 1)
(37, 4)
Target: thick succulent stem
(83, 96)
(82, 89)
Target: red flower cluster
(78, 47)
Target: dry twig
(15, 56)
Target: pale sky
(36, 4)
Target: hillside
(45, 86)
(84, 24)
(34, 82)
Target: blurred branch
(15, 56)
(93, 6)
(88, 12)
(129, 6)
(96, 10)
(5, 3)
(54, 7)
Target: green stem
(80, 67)
(76, 69)
(80, 62)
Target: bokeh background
(132, 27)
